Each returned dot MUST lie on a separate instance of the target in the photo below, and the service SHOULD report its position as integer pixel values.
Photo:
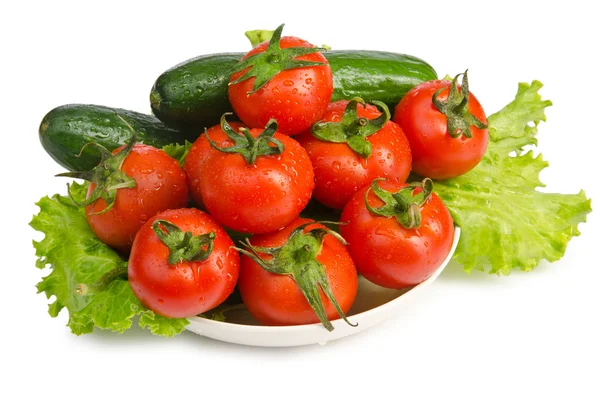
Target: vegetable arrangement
(316, 183)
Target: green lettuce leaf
(76, 256)
(506, 223)
(178, 151)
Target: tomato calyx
(297, 259)
(353, 130)
(183, 247)
(107, 175)
(456, 108)
(246, 145)
(266, 65)
(404, 205)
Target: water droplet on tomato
(308, 80)
(336, 166)
(295, 91)
(288, 83)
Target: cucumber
(193, 94)
(65, 130)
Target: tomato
(277, 299)
(295, 97)
(340, 171)
(257, 193)
(198, 153)
(190, 285)
(436, 153)
(386, 252)
(160, 184)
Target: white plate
(373, 305)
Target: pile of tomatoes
(251, 176)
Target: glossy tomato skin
(296, 98)
(188, 288)
(435, 153)
(197, 155)
(258, 198)
(340, 172)
(388, 254)
(275, 299)
(160, 185)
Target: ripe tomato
(293, 89)
(199, 278)
(160, 184)
(436, 153)
(387, 253)
(340, 170)
(198, 153)
(256, 193)
(277, 299)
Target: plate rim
(234, 327)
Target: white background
(472, 335)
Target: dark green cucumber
(65, 130)
(194, 93)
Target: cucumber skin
(193, 93)
(65, 130)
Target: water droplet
(336, 166)
(288, 83)
(295, 91)
(308, 80)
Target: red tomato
(160, 185)
(187, 288)
(198, 153)
(276, 299)
(260, 197)
(388, 254)
(340, 171)
(436, 154)
(296, 98)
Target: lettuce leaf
(178, 151)
(76, 256)
(506, 223)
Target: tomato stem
(353, 130)
(183, 247)
(107, 175)
(263, 66)
(104, 281)
(246, 145)
(403, 204)
(456, 109)
(297, 259)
